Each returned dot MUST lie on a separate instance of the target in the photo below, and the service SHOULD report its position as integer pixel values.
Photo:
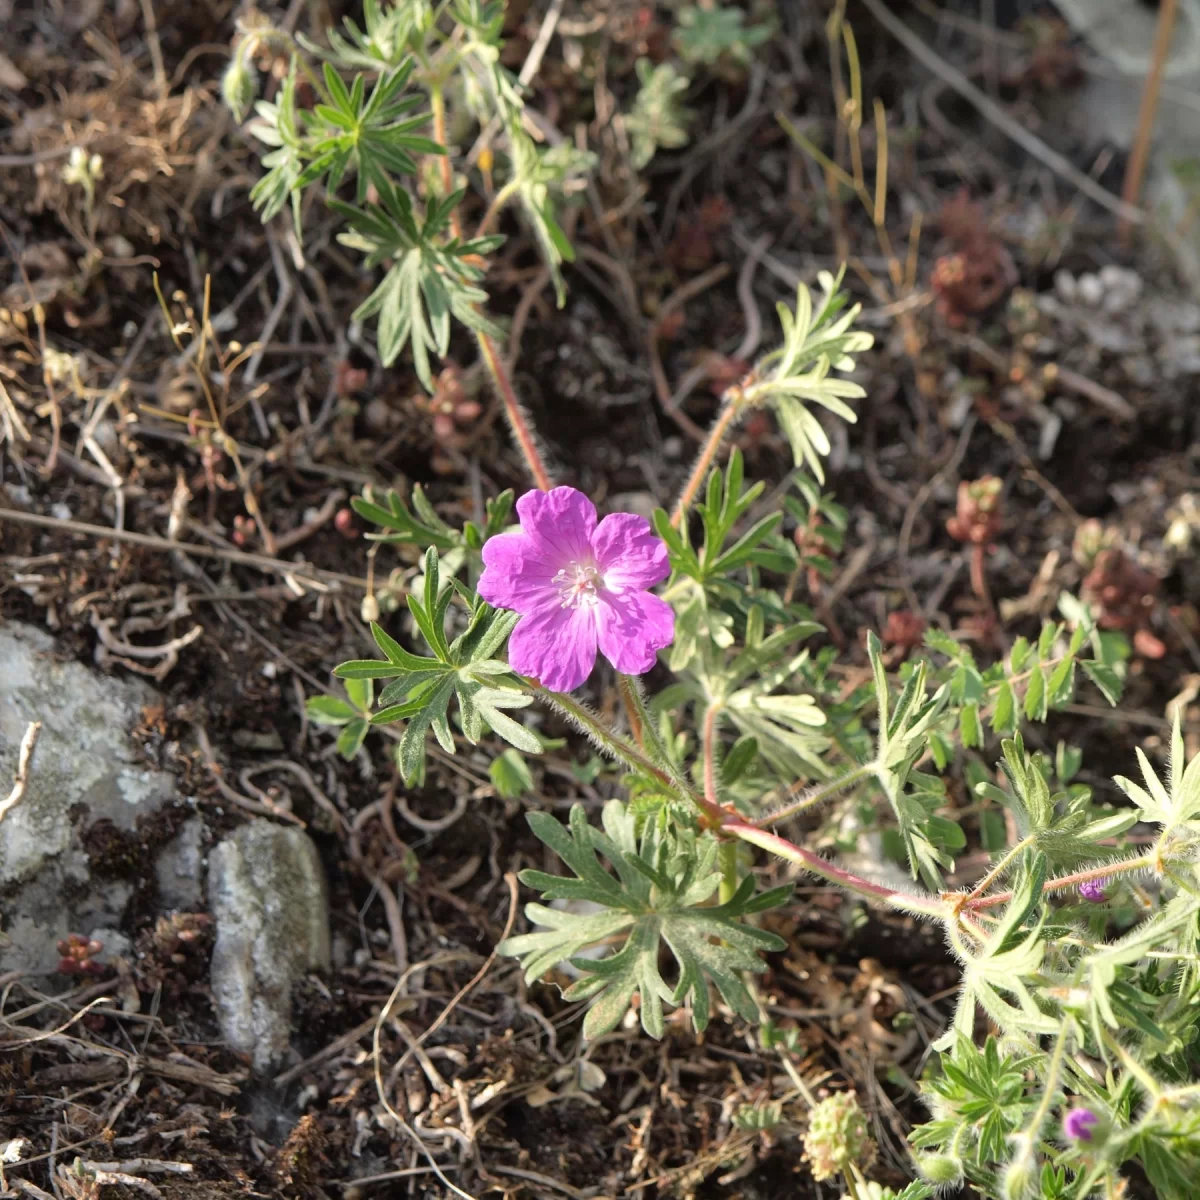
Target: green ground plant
(1073, 1050)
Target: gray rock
(180, 868)
(266, 891)
(83, 758)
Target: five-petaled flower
(579, 586)
(1079, 1125)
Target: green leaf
(1105, 678)
(658, 118)
(510, 775)
(432, 276)
(704, 35)
(351, 738)
(1035, 695)
(969, 731)
(1019, 654)
(328, 710)
(658, 896)
(1003, 715)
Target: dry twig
(28, 742)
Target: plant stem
(498, 202)
(877, 893)
(998, 870)
(1066, 881)
(518, 422)
(630, 698)
(710, 753)
(708, 453)
(818, 795)
(1146, 112)
(727, 855)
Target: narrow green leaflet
(658, 895)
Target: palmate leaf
(658, 894)
(388, 34)
(464, 670)
(797, 374)
(432, 276)
(1172, 805)
(277, 126)
(1013, 952)
(705, 34)
(366, 133)
(352, 716)
(903, 735)
(658, 117)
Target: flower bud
(1081, 1125)
(942, 1169)
(370, 609)
(1021, 1175)
(239, 85)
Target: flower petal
(629, 553)
(633, 626)
(563, 519)
(518, 572)
(556, 645)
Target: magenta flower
(1093, 890)
(578, 586)
(1079, 1125)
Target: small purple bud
(1080, 1124)
(1093, 890)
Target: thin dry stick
(1149, 107)
(298, 571)
(22, 778)
(992, 112)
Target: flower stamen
(579, 584)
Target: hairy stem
(708, 453)
(818, 795)
(500, 199)
(517, 420)
(1066, 881)
(999, 869)
(633, 710)
(710, 753)
(877, 893)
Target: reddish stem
(708, 453)
(710, 755)
(519, 423)
(1063, 882)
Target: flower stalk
(730, 410)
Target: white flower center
(579, 584)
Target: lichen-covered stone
(266, 891)
(83, 769)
